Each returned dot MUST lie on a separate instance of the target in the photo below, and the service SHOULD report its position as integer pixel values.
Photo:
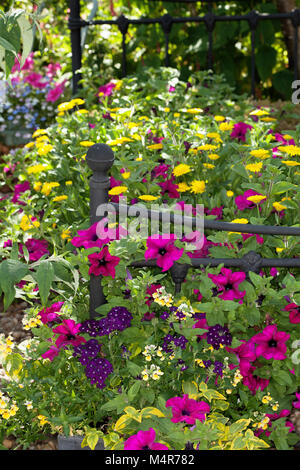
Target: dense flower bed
(213, 367)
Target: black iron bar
(192, 222)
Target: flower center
(162, 251)
(228, 286)
(146, 448)
(70, 336)
(272, 343)
(102, 262)
(185, 413)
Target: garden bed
(159, 367)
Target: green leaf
(44, 277)
(265, 61)
(282, 377)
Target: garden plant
(213, 365)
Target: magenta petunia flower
(242, 202)
(106, 90)
(169, 188)
(36, 248)
(36, 80)
(68, 334)
(217, 211)
(246, 354)
(49, 314)
(296, 404)
(294, 310)
(103, 263)
(55, 93)
(228, 283)
(252, 381)
(160, 170)
(202, 323)
(51, 353)
(240, 130)
(144, 440)
(20, 188)
(162, 248)
(185, 409)
(271, 343)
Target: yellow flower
(197, 187)
(77, 101)
(39, 132)
(66, 234)
(148, 197)
(279, 250)
(176, 114)
(290, 162)
(37, 186)
(182, 187)
(65, 106)
(131, 125)
(167, 110)
(45, 149)
(209, 166)
(86, 143)
(278, 207)
(47, 187)
(117, 190)
(199, 362)
(229, 193)
(143, 118)
(41, 139)
(36, 169)
(125, 175)
(254, 167)
(139, 159)
(260, 153)
(82, 111)
(29, 145)
(259, 112)
(256, 199)
(219, 118)
(155, 146)
(43, 420)
(200, 135)
(268, 119)
(181, 169)
(136, 137)
(27, 223)
(208, 147)
(213, 156)
(69, 182)
(226, 126)
(60, 198)
(215, 135)
(290, 149)
(240, 221)
(194, 110)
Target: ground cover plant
(215, 366)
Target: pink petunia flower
(252, 381)
(54, 94)
(242, 202)
(228, 283)
(185, 409)
(296, 404)
(169, 188)
(68, 334)
(49, 314)
(162, 248)
(271, 343)
(51, 353)
(144, 440)
(103, 263)
(239, 131)
(36, 80)
(294, 310)
(36, 248)
(106, 90)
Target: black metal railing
(76, 23)
(100, 159)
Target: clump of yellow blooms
(256, 198)
(254, 167)
(148, 197)
(197, 186)
(28, 223)
(181, 169)
(47, 187)
(63, 197)
(6, 408)
(117, 190)
(161, 297)
(32, 322)
(260, 153)
(154, 372)
(278, 207)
